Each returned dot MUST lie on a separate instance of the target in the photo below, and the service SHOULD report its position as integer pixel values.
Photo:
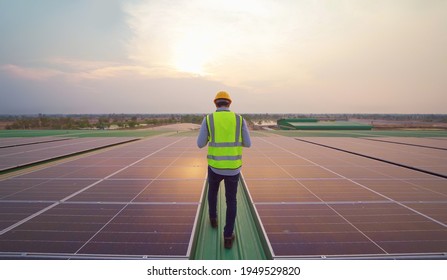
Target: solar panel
(18, 156)
(279, 191)
(112, 191)
(312, 230)
(137, 172)
(13, 212)
(60, 230)
(414, 141)
(423, 158)
(21, 141)
(142, 200)
(340, 204)
(40, 189)
(154, 230)
(397, 230)
(134, 201)
(186, 191)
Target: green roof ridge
(249, 243)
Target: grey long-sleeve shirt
(202, 141)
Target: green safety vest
(224, 140)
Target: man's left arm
(246, 141)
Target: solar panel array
(142, 200)
(414, 141)
(317, 202)
(423, 158)
(20, 141)
(134, 201)
(24, 153)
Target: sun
(192, 53)
(190, 61)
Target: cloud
(79, 71)
(37, 74)
(269, 45)
(273, 56)
(106, 89)
(225, 42)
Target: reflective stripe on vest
(225, 140)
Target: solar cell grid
(279, 191)
(354, 171)
(9, 187)
(142, 236)
(112, 191)
(264, 172)
(436, 210)
(339, 190)
(312, 230)
(437, 186)
(400, 232)
(20, 141)
(182, 172)
(309, 172)
(262, 160)
(144, 198)
(83, 162)
(431, 160)
(140, 172)
(424, 142)
(155, 161)
(12, 212)
(189, 160)
(23, 155)
(40, 189)
(72, 225)
(400, 172)
(172, 191)
(121, 191)
(365, 202)
(400, 190)
(110, 161)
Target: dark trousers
(231, 183)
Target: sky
(271, 56)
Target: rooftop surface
(299, 197)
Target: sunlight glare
(192, 53)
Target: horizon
(368, 56)
(205, 113)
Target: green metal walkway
(250, 243)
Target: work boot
(228, 241)
(213, 222)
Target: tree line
(121, 121)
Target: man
(225, 133)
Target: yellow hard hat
(222, 95)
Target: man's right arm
(202, 140)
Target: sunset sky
(285, 56)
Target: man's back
(225, 133)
